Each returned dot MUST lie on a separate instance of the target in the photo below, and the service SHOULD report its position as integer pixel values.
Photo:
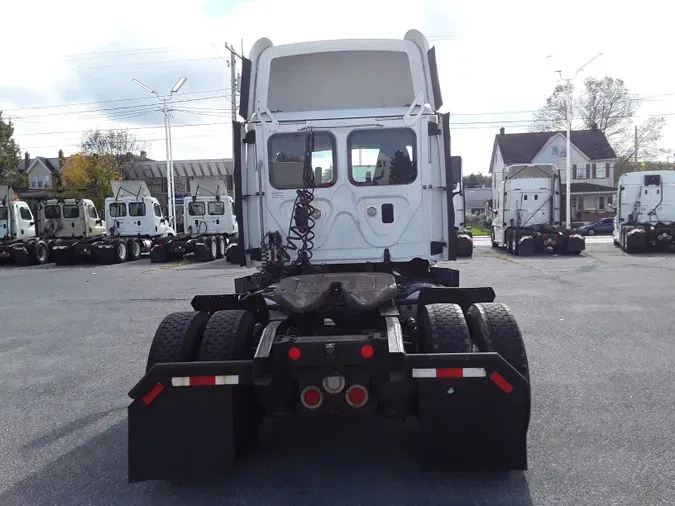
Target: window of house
(71, 211)
(580, 203)
(555, 151)
(25, 214)
(40, 183)
(52, 212)
(286, 160)
(158, 210)
(136, 209)
(91, 211)
(196, 209)
(117, 210)
(382, 157)
(580, 172)
(601, 203)
(216, 208)
(563, 151)
(600, 172)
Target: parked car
(603, 226)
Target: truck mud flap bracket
(474, 409)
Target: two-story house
(593, 159)
(42, 172)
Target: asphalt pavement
(599, 334)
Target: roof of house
(523, 147)
(476, 197)
(51, 163)
(182, 168)
(587, 188)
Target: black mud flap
(576, 243)
(525, 246)
(474, 412)
(158, 254)
(21, 257)
(464, 245)
(178, 433)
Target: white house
(593, 159)
(42, 172)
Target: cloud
(491, 60)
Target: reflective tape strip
(204, 381)
(524, 238)
(458, 372)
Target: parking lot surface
(599, 330)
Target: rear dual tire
(227, 335)
(449, 416)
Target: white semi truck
(19, 243)
(526, 208)
(645, 211)
(134, 223)
(209, 224)
(348, 314)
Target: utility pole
(569, 97)
(232, 63)
(635, 148)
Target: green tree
(477, 180)
(88, 175)
(612, 107)
(10, 157)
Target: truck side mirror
(32, 223)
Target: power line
(73, 104)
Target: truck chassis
(101, 249)
(349, 340)
(205, 247)
(643, 237)
(23, 252)
(539, 239)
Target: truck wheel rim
(136, 248)
(214, 249)
(121, 250)
(41, 253)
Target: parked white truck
(526, 208)
(135, 222)
(19, 243)
(209, 224)
(645, 211)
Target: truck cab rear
(527, 212)
(344, 204)
(19, 243)
(208, 221)
(645, 211)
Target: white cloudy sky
(67, 65)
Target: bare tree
(609, 104)
(118, 149)
(553, 116)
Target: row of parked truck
(526, 212)
(71, 231)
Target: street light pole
(171, 191)
(569, 112)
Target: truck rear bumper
(474, 406)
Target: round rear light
(367, 351)
(294, 353)
(311, 397)
(357, 396)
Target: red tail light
(294, 353)
(311, 397)
(357, 396)
(367, 351)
